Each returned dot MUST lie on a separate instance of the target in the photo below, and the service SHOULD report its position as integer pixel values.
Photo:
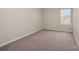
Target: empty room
(39, 29)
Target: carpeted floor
(44, 40)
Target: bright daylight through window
(65, 16)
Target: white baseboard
(19, 37)
(58, 29)
(77, 42)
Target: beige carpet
(44, 40)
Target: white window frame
(65, 20)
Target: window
(65, 16)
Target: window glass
(65, 16)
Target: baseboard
(19, 37)
(58, 29)
(77, 42)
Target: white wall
(76, 24)
(18, 22)
(52, 20)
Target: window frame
(63, 22)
